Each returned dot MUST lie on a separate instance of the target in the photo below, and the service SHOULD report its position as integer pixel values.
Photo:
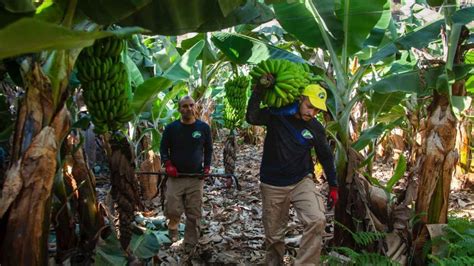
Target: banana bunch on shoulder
(283, 80)
(104, 77)
(235, 101)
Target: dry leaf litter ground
(232, 230)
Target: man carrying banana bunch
(186, 148)
(286, 172)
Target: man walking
(186, 147)
(286, 173)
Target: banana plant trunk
(151, 163)
(204, 109)
(440, 155)
(25, 205)
(230, 153)
(89, 215)
(63, 215)
(125, 187)
(437, 165)
(347, 192)
(463, 144)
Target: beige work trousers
(184, 194)
(309, 207)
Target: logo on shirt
(306, 134)
(196, 134)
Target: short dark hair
(184, 98)
(304, 96)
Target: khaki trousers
(309, 207)
(184, 194)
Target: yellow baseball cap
(317, 96)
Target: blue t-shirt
(189, 147)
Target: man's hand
(333, 196)
(171, 169)
(258, 89)
(228, 182)
(206, 171)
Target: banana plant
(43, 124)
(445, 84)
(55, 32)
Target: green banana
(103, 77)
(235, 101)
(289, 78)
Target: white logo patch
(196, 134)
(306, 134)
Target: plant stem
(71, 10)
(345, 20)
(341, 80)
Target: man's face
(307, 110)
(186, 108)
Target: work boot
(173, 234)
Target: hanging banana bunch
(235, 101)
(283, 80)
(104, 77)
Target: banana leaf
(109, 252)
(135, 76)
(372, 133)
(176, 17)
(421, 37)
(159, 106)
(106, 12)
(168, 55)
(147, 91)
(12, 10)
(469, 57)
(141, 57)
(460, 104)
(208, 54)
(53, 11)
(356, 29)
(453, 44)
(37, 35)
(242, 49)
(397, 174)
(396, 112)
(18, 6)
(8, 17)
(297, 19)
(417, 81)
(340, 156)
(148, 244)
(380, 29)
(470, 85)
(378, 104)
(182, 68)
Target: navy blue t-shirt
(189, 147)
(288, 143)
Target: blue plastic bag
(290, 109)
